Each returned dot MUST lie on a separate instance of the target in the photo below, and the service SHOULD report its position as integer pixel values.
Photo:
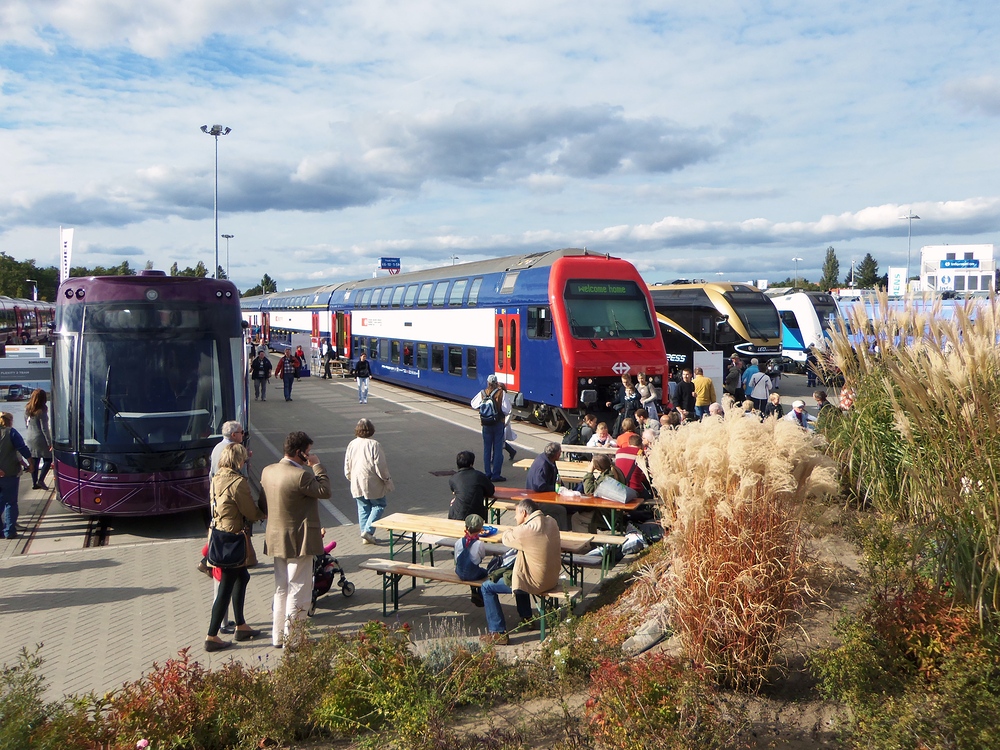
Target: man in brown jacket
(536, 568)
(290, 491)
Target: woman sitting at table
(601, 467)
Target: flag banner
(65, 253)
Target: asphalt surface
(102, 615)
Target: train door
(507, 364)
(265, 327)
(343, 334)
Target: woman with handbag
(233, 512)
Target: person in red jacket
(287, 369)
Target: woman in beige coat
(233, 510)
(368, 472)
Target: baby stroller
(325, 567)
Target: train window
(408, 353)
(474, 291)
(383, 350)
(366, 297)
(789, 320)
(373, 349)
(386, 295)
(440, 292)
(437, 357)
(500, 346)
(455, 360)
(422, 356)
(425, 294)
(508, 282)
(395, 352)
(457, 293)
(539, 323)
(397, 296)
(705, 329)
(724, 333)
(355, 343)
(513, 344)
(411, 295)
(470, 366)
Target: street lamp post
(34, 288)
(215, 131)
(910, 216)
(227, 237)
(796, 260)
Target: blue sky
(692, 139)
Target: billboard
(897, 282)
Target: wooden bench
(393, 570)
(498, 507)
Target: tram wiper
(110, 407)
(576, 326)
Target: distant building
(957, 268)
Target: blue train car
(559, 328)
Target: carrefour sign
(964, 263)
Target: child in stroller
(325, 567)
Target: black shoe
(211, 646)
(247, 635)
(477, 599)
(227, 629)
(499, 479)
(512, 453)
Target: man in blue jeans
(11, 443)
(493, 426)
(536, 569)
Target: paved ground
(103, 615)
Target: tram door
(507, 329)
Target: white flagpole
(65, 253)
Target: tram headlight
(218, 293)
(80, 293)
(86, 464)
(152, 295)
(68, 294)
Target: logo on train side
(620, 368)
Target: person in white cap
(800, 416)
(493, 405)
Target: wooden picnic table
(583, 502)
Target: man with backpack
(493, 405)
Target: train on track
(558, 328)
(807, 319)
(25, 321)
(145, 370)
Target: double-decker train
(145, 370)
(718, 316)
(558, 328)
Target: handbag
(227, 550)
(611, 489)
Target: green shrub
(22, 708)
(653, 703)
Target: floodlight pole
(215, 131)
(910, 216)
(227, 237)
(796, 284)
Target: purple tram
(145, 370)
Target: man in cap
(799, 415)
(492, 418)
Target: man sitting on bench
(536, 569)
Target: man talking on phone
(291, 490)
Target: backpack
(572, 436)
(489, 414)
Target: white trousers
(292, 594)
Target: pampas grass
(735, 488)
(922, 442)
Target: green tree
(252, 291)
(831, 270)
(268, 285)
(200, 271)
(800, 283)
(867, 273)
(221, 273)
(14, 275)
(174, 271)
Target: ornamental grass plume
(735, 488)
(921, 442)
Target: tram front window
(153, 380)
(607, 309)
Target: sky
(698, 140)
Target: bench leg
(390, 583)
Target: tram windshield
(757, 313)
(827, 313)
(607, 309)
(152, 377)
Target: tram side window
(411, 295)
(397, 296)
(437, 357)
(366, 297)
(425, 294)
(422, 356)
(383, 348)
(440, 292)
(395, 352)
(455, 360)
(373, 349)
(539, 323)
(386, 295)
(376, 293)
(408, 353)
(470, 367)
(457, 293)
(474, 291)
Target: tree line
(17, 276)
